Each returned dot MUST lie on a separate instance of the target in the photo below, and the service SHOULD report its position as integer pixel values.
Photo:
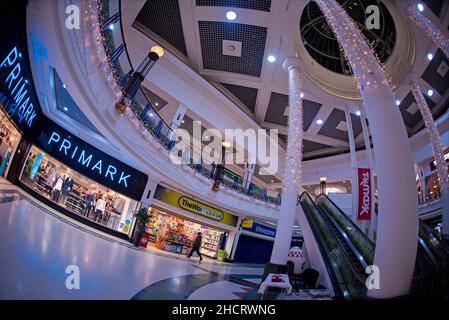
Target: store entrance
(9, 139)
(172, 233)
(77, 193)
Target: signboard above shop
(19, 99)
(178, 200)
(252, 226)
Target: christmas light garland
(429, 28)
(435, 140)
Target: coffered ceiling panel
(247, 96)
(437, 73)
(335, 126)
(252, 39)
(261, 5)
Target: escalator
(344, 263)
(431, 269)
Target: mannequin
(88, 203)
(51, 179)
(99, 209)
(66, 188)
(57, 189)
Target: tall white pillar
(438, 153)
(429, 25)
(293, 167)
(397, 235)
(353, 155)
(178, 116)
(248, 174)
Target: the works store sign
(18, 97)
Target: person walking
(196, 246)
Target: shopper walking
(196, 246)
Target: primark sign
(18, 98)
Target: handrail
(340, 247)
(159, 128)
(334, 275)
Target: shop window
(175, 234)
(9, 139)
(77, 193)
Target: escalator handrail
(426, 249)
(363, 235)
(441, 244)
(345, 236)
(336, 280)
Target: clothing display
(77, 193)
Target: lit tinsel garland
(435, 140)
(105, 65)
(429, 28)
(368, 70)
(293, 162)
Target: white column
(248, 174)
(369, 156)
(430, 26)
(148, 193)
(178, 116)
(353, 163)
(292, 176)
(438, 153)
(422, 182)
(236, 237)
(397, 235)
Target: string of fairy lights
(435, 139)
(429, 28)
(293, 161)
(104, 63)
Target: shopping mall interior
(224, 150)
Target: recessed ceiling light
(420, 7)
(156, 104)
(64, 86)
(207, 137)
(272, 181)
(271, 58)
(429, 56)
(319, 122)
(182, 121)
(66, 109)
(231, 15)
(301, 95)
(358, 113)
(151, 114)
(430, 92)
(398, 102)
(111, 26)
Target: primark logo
(20, 106)
(86, 159)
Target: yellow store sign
(178, 200)
(199, 208)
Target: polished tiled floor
(37, 244)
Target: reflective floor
(37, 245)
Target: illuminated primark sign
(86, 159)
(19, 106)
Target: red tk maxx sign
(364, 192)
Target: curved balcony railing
(109, 17)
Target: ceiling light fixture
(319, 122)
(301, 95)
(151, 114)
(111, 26)
(429, 56)
(430, 92)
(66, 109)
(231, 15)
(64, 86)
(420, 7)
(398, 102)
(271, 58)
(358, 113)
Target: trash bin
(221, 256)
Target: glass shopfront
(9, 139)
(77, 193)
(175, 234)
